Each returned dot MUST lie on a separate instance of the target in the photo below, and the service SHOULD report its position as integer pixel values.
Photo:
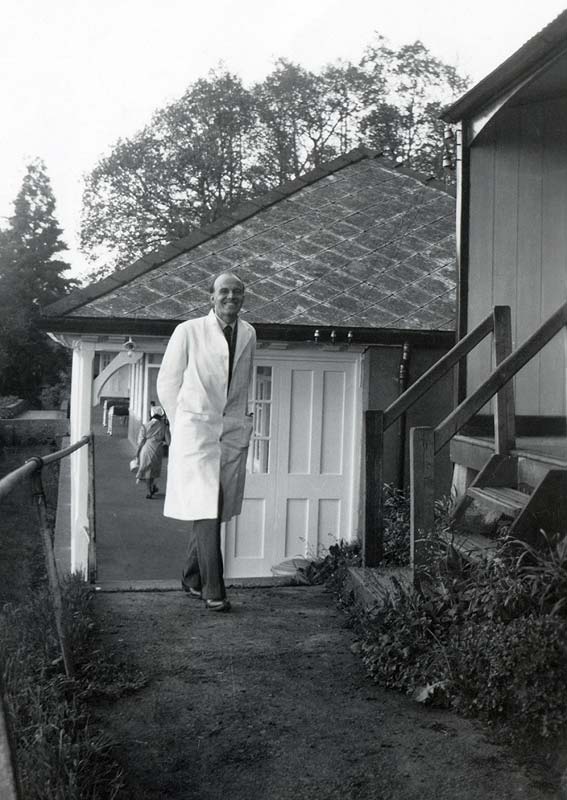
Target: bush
(332, 568)
(487, 638)
(513, 672)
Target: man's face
(227, 297)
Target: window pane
(262, 417)
(263, 383)
(261, 457)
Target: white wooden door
(299, 495)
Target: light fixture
(129, 345)
(349, 337)
(316, 336)
(333, 336)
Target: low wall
(11, 409)
(33, 428)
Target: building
(350, 282)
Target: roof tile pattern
(365, 245)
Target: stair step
(502, 498)
(472, 546)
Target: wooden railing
(33, 469)
(498, 323)
(426, 442)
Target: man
(203, 386)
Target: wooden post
(504, 405)
(372, 543)
(92, 570)
(422, 485)
(8, 772)
(54, 588)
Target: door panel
(299, 488)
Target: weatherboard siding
(518, 242)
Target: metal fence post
(54, 588)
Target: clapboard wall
(518, 241)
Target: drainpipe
(403, 379)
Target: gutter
(316, 334)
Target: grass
(59, 754)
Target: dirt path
(269, 703)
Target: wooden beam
(504, 405)
(373, 536)
(422, 506)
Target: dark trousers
(203, 568)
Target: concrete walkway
(134, 541)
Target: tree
(31, 275)
(221, 143)
(303, 118)
(192, 162)
(403, 96)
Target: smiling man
(203, 386)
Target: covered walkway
(134, 541)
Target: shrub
(487, 638)
(512, 672)
(332, 568)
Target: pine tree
(31, 276)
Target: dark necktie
(228, 335)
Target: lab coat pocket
(237, 432)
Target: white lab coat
(210, 431)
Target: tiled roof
(358, 243)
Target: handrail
(500, 377)
(376, 422)
(33, 467)
(11, 480)
(440, 368)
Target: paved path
(135, 542)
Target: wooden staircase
(524, 493)
(519, 495)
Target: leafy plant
(332, 568)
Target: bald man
(203, 386)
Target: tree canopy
(31, 275)
(222, 142)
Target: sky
(76, 75)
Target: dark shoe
(148, 497)
(155, 489)
(218, 605)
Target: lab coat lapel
(242, 338)
(217, 360)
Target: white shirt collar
(223, 324)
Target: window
(261, 437)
